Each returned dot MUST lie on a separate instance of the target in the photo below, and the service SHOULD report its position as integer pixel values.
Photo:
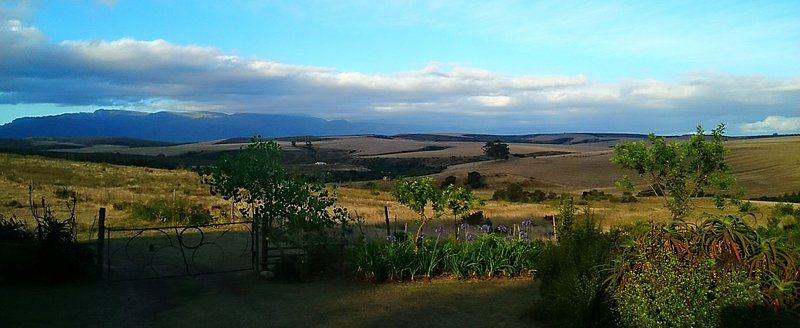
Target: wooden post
(101, 238)
(555, 232)
(386, 214)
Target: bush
(515, 193)
(475, 180)
(787, 197)
(572, 274)
(14, 231)
(64, 193)
(475, 218)
(179, 211)
(664, 291)
(50, 253)
(448, 181)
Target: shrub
(14, 231)
(475, 180)
(787, 197)
(49, 253)
(572, 274)
(475, 218)
(663, 290)
(448, 181)
(64, 193)
(515, 193)
(179, 211)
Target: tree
(286, 209)
(418, 195)
(461, 201)
(496, 149)
(680, 170)
(474, 180)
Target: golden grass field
(763, 166)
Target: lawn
(240, 300)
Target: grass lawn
(242, 301)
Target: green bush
(572, 273)
(487, 255)
(662, 290)
(515, 193)
(179, 211)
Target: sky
(446, 66)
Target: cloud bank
(157, 74)
(773, 124)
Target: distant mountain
(180, 127)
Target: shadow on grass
(242, 301)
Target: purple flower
(391, 238)
(470, 236)
(464, 226)
(486, 228)
(526, 223)
(441, 231)
(502, 228)
(523, 235)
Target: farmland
(764, 166)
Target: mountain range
(181, 127)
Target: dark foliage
(475, 180)
(496, 149)
(786, 198)
(515, 193)
(572, 274)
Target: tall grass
(488, 255)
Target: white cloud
(158, 74)
(773, 124)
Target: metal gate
(174, 251)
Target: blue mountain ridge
(182, 127)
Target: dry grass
(370, 206)
(763, 166)
(766, 167)
(97, 185)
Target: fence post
(101, 234)
(386, 214)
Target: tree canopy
(496, 149)
(679, 170)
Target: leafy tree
(461, 201)
(418, 195)
(496, 149)
(286, 209)
(680, 170)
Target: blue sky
(505, 66)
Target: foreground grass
(242, 301)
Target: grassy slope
(763, 166)
(766, 166)
(240, 301)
